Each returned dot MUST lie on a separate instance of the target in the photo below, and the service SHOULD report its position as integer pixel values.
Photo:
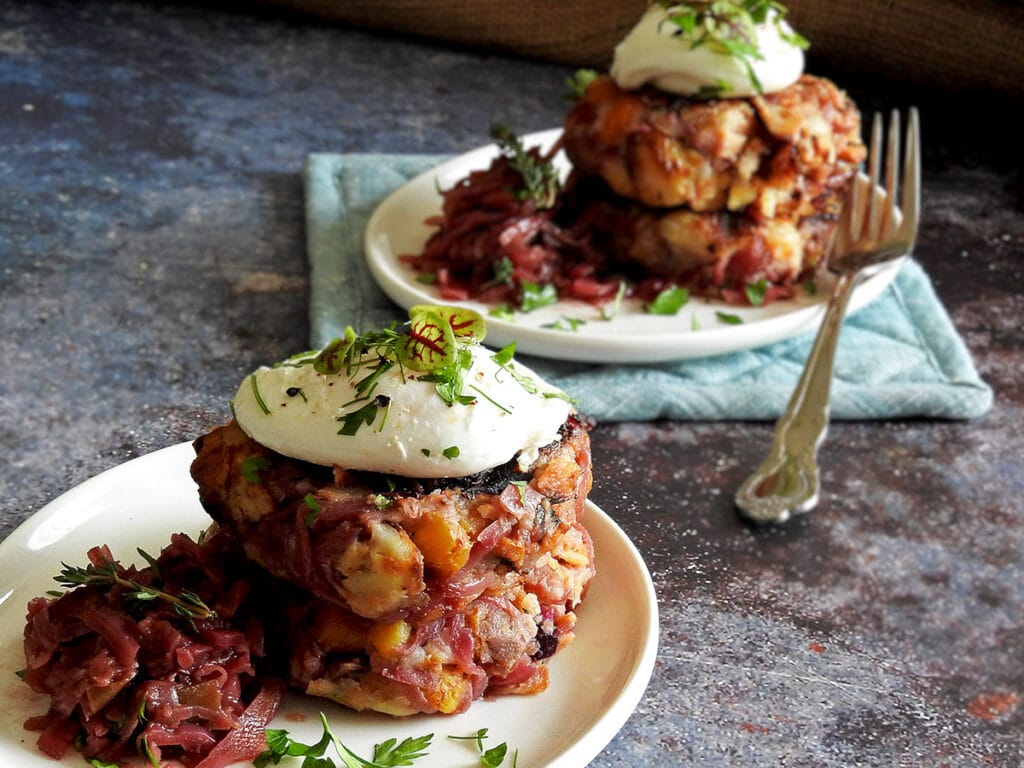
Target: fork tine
(869, 224)
(892, 182)
(911, 206)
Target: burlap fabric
(950, 44)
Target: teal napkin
(899, 356)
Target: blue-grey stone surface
(152, 253)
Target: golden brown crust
(418, 599)
(770, 156)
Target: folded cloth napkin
(899, 356)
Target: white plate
(396, 228)
(596, 682)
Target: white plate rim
(56, 530)
(630, 337)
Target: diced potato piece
(337, 631)
(444, 543)
(389, 637)
(382, 573)
(451, 691)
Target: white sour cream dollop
(652, 54)
(420, 436)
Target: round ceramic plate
(596, 682)
(397, 228)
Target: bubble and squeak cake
(706, 156)
(398, 527)
(424, 496)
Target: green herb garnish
(728, 27)
(387, 754)
(571, 324)
(502, 312)
(451, 452)
(537, 295)
(540, 178)
(578, 82)
(756, 292)
(257, 396)
(252, 466)
(489, 758)
(669, 301)
(728, 318)
(107, 574)
(607, 314)
(314, 509)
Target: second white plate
(397, 228)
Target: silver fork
(868, 238)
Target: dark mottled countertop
(152, 253)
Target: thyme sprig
(106, 573)
(729, 27)
(540, 178)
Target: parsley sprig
(540, 178)
(387, 754)
(729, 27)
(106, 573)
(390, 753)
(493, 757)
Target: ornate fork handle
(787, 480)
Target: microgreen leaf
(728, 318)
(451, 452)
(465, 323)
(669, 301)
(331, 359)
(430, 344)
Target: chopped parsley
(669, 301)
(252, 466)
(756, 292)
(314, 510)
(571, 324)
(537, 295)
(728, 318)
